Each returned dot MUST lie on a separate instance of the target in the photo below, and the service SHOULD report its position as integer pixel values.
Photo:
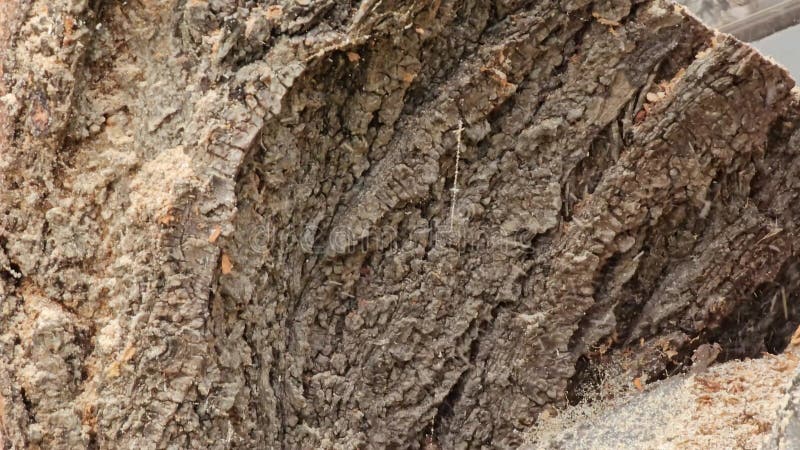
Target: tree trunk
(322, 224)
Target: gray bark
(228, 224)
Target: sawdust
(732, 405)
(152, 191)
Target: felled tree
(238, 224)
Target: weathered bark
(236, 224)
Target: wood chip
(227, 265)
(128, 353)
(69, 25)
(604, 21)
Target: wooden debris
(215, 234)
(226, 264)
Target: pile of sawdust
(732, 405)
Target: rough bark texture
(228, 224)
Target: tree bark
(239, 224)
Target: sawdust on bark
(731, 405)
